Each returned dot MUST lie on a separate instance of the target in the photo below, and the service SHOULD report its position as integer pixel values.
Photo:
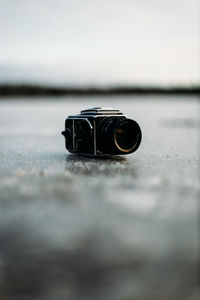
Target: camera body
(101, 131)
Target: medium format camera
(101, 131)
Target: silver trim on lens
(121, 149)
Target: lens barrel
(120, 135)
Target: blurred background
(115, 42)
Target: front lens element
(127, 136)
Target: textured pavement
(82, 228)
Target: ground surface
(80, 228)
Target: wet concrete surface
(81, 228)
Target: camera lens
(127, 136)
(120, 136)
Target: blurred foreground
(80, 228)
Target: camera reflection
(107, 165)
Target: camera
(101, 131)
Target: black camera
(101, 131)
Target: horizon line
(24, 89)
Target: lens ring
(127, 136)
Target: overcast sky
(100, 41)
